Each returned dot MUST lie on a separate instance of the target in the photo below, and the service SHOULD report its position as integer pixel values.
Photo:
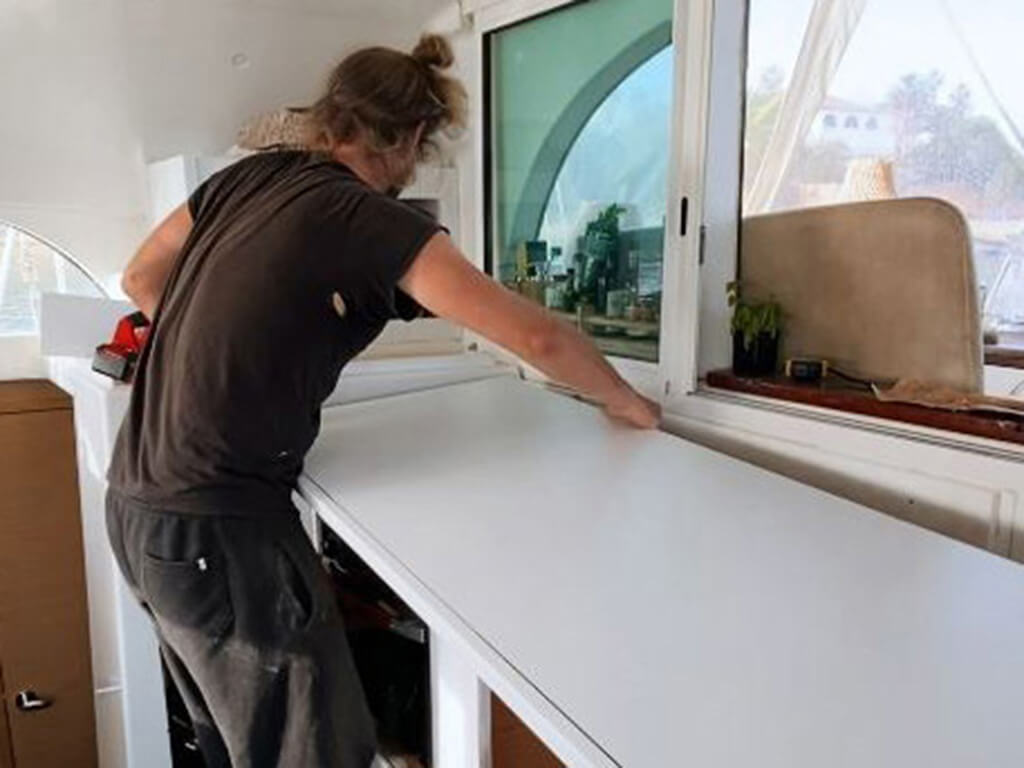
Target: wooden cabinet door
(44, 640)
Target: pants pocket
(189, 594)
(297, 592)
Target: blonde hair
(381, 96)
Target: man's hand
(635, 409)
(441, 280)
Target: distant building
(865, 131)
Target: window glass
(28, 268)
(943, 112)
(579, 120)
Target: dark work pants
(250, 631)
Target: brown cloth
(946, 398)
(283, 128)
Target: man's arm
(146, 274)
(441, 280)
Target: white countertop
(680, 607)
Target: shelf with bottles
(636, 328)
(608, 309)
(610, 292)
(645, 350)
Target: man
(275, 274)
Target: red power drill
(118, 358)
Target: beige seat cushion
(885, 289)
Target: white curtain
(829, 30)
(1013, 130)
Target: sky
(896, 37)
(632, 122)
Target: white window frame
(676, 370)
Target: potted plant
(756, 327)
(602, 234)
(601, 245)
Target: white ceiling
(402, 11)
(99, 87)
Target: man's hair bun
(386, 97)
(434, 51)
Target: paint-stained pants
(250, 631)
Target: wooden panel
(513, 745)
(843, 397)
(44, 639)
(32, 395)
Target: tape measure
(806, 369)
(119, 358)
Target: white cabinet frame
(464, 668)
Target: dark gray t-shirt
(290, 270)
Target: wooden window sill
(1005, 357)
(841, 396)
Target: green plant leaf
(753, 319)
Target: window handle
(684, 211)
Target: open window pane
(925, 102)
(579, 121)
(28, 269)
(881, 263)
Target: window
(946, 120)
(28, 268)
(579, 115)
(942, 116)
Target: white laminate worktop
(674, 606)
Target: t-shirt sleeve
(384, 236)
(195, 200)
(206, 193)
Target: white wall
(462, 153)
(93, 89)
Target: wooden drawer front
(44, 640)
